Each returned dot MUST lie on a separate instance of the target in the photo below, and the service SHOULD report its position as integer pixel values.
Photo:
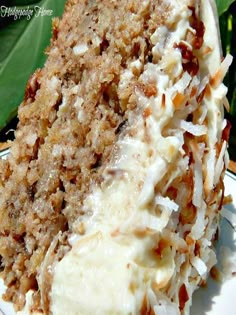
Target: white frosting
(112, 267)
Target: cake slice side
(118, 162)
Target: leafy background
(227, 18)
(23, 42)
(22, 46)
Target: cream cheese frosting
(113, 266)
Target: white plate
(4, 153)
(218, 298)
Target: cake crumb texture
(71, 116)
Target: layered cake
(110, 197)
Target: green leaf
(223, 5)
(23, 43)
(228, 39)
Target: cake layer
(110, 198)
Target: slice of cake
(110, 198)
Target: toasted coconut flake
(220, 163)
(226, 104)
(154, 174)
(200, 266)
(221, 72)
(179, 100)
(203, 85)
(227, 199)
(180, 126)
(183, 83)
(166, 202)
(196, 130)
(210, 171)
